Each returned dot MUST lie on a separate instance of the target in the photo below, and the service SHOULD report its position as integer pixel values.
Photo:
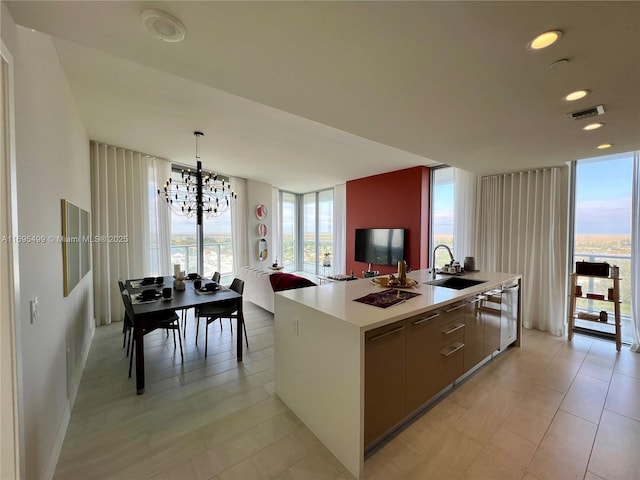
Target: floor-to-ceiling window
(217, 247)
(442, 198)
(325, 232)
(602, 233)
(289, 238)
(307, 231)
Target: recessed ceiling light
(592, 126)
(162, 25)
(545, 39)
(604, 146)
(577, 95)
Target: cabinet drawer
(453, 312)
(451, 325)
(450, 364)
(451, 332)
(384, 401)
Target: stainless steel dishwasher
(509, 315)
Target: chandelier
(196, 194)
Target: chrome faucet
(433, 264)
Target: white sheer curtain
(239, 225)
(339, 260)
(465, 186)
(523, 229)
(125, 206)
(635, 252)
(159, 219)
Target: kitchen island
(354, 372)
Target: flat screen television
(380, 246)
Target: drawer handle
(422, 320)
(453, 350)
(475, 301)
(455, 308)
(386, 334)
(456, 327)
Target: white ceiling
(305, 95)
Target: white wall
(259, 193)
(52, 154)
(9, 439)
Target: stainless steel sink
(456, 283)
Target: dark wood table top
(186, 298)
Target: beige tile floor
(551, 410)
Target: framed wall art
(76, 245)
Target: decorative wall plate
(261, 212)
(263, 253)
(262, 230)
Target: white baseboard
(75, 384)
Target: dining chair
(166, 320)
(127, 322)
(219, 311)
(215, 278)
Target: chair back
(121, 285)
(237, 286)
(216, 277)
(128, 307)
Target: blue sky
(443, 209)
(603, 195)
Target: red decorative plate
(261, 212)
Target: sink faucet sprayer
(433, 264)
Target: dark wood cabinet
(408, 362)
(482, 328)
(422, 374)
(473, 333)
(449, 357)
(490, 308)
(384, 399)
(435, 344)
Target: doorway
(10, 462)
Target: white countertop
(337, 298)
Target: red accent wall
(397, 199)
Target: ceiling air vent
(589, 112)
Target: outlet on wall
(34, 309)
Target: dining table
(180, 299)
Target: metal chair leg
(206, 338)
(180, 340)
(131, 358)
(129, 342)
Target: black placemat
(386, 298)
